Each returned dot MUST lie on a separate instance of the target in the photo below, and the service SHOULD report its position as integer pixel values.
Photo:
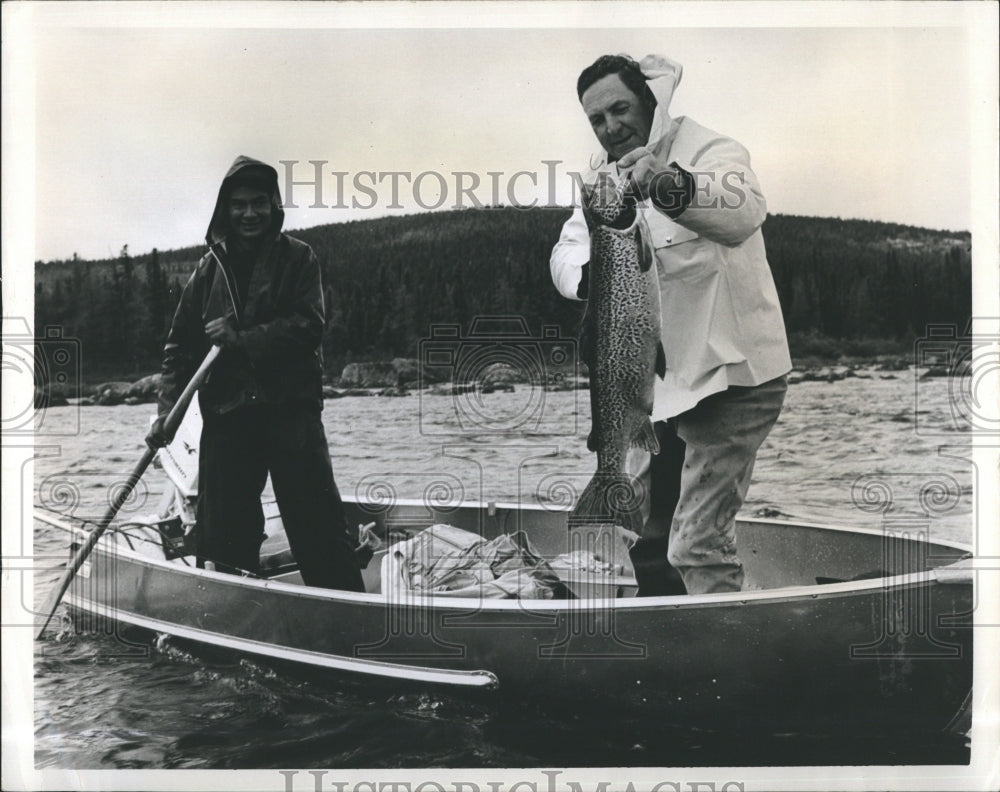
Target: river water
(864, 451)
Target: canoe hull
(893, 652)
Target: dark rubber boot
(655, 576)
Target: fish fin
(586, 341)
(592, 437)
(608, 500)
(661, 361)
(643, 252)
(646, 439)
(587, 344)
(586, 205)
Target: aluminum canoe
(837, 627)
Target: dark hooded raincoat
(262, 401)
(280, 318)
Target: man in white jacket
(722, 329)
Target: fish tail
(646, 439)
(608, 499)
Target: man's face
(249, 213)
(619, 118)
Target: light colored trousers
(708, 459)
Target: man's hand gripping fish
(620, 342)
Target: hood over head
(245, 171)
(662, 76)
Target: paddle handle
(174, 418)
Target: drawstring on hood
(253, 171)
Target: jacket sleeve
(727, 205)
(182, 352)
(569, 255)
(299, 327)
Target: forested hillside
(843, 284)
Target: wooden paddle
(170, 425)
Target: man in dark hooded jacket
(257, 294)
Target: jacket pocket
(664, 232)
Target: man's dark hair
(622, 65)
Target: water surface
(874, 452)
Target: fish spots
(622, 329)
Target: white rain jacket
(721, 320)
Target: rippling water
(861, 451)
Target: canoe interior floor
(774, 555)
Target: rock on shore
(145, 389)
(401, 375)
(397, 373)
(107, 394)
(882, 368)
(369, 375)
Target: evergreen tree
(388, 281)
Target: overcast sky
(136, 124)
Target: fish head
(608, 204)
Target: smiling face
(619, 118)
(249, 213)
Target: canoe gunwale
(107, 546)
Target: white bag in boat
(447, 561)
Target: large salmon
(620, 342)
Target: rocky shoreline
(403, 376)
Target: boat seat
(873, 574)
(587, 585)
